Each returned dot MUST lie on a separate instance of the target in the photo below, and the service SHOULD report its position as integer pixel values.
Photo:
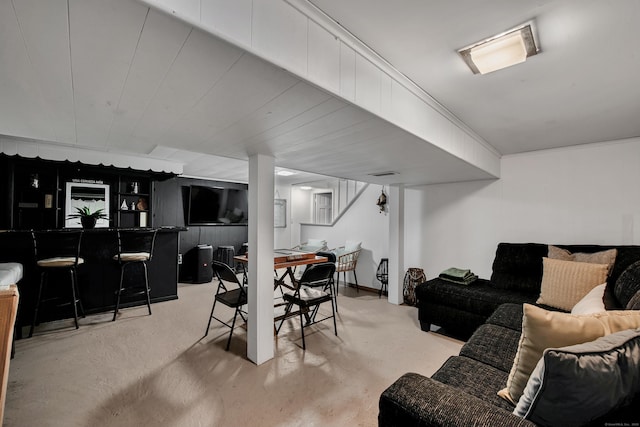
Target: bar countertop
(163, 229)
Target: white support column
(260, 323)
(396, 243)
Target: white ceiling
(582, 87)
(118, 76)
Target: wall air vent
(379, 174)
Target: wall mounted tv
(217, 206)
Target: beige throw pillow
(564, 283)
(607, 257)
(542, 329)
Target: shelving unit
(35, 192)
(35, 196)
(134, 202)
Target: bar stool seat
(133, 256)
(59, 262)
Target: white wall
(583, 194)
(362, 222)
(282, 237)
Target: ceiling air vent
(379, 174)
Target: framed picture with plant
(86, 200)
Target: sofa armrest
(415, 400)
(8, 309)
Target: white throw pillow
(592, 302)
(351, 246)
(316, 242)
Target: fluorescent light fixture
(305, 187)
(504, 50)
(381, 174)
(285, 173)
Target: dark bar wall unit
(34, 192)
(166, 197)
(35, 195)
(27, 205)
(99, 276)
(170, 205)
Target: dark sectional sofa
(516, 278)
(463, 391)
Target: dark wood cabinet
(34, 193)
(134, 202)
(35, 197)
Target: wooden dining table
(287, 260)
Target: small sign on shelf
(143, 219)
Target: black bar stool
(57, 251)
(135, 247)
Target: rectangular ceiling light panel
(504, 50)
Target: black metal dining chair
(229, 292)
(331, 257)
(315, 288)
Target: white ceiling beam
(280, 35)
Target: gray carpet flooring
(157, 370)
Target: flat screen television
(217, 206)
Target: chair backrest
(348, 261)
(352, 245)
(331, 256)
(317, 275)
(383, 269)
(224, 273)
(58, 243)
(312, 245)
(132, 241)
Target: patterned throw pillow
(607, 257)
(628, 284)
(634, 302)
